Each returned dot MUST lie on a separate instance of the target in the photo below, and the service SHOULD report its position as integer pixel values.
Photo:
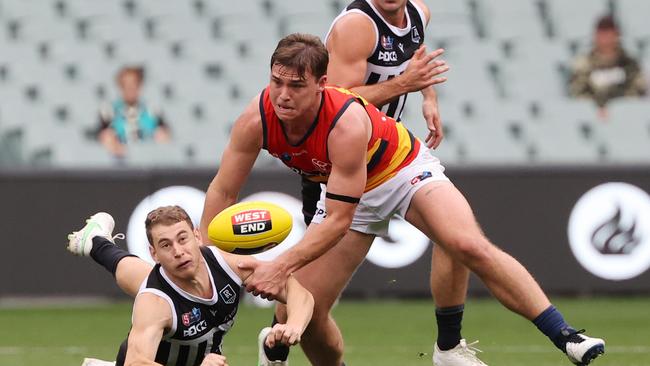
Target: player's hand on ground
(267, 280)
(213, 359)
(423, 70)
(432, 117)
(285, 334)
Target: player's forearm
(429, 94)
(317, 240)
(300, 305)
(383, 92)
(216, 200)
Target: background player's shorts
(392, 197)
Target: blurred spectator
(607, 71)
(129, 119)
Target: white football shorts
(393, 197)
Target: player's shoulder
(250, 120)
(353, 22)
(355, 112)
(352, 31)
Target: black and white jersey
(198, 324)
(394, 46)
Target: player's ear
(197, 235)
(152, 251)
(322, 81)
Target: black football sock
(107, 254)
(449, 323)
(552, 324)
(280, 352)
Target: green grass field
(376, 333)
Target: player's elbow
(341, 222)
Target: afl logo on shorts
(251, 222)
(609, 231)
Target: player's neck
(396, 18)
(199, 285)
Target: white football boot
(262, 360)
(462, 355)
(582, 349)
(81, 242)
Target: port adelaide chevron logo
(251, 222)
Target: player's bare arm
(348, 55)
(236, 163)
(300, 306)
(347, 145)
(299, 301)
(350, 43)
(431, 115)
(151, 317)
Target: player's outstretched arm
(300, 306)
(151, 316)
(236, 163)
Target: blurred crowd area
(508, 101)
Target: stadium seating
(505, 101)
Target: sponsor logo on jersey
(387, 42)
(321, 165)
(227, 294)
(195, 329)
(609, 231)
(191, 317)
(421, 177)
(387, 56)
(251, 222)
(415, 35)
(286, 156)
(401, 46)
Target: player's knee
(474, 251)
(325, 336)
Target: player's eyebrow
(163, 241)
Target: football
(250, 227)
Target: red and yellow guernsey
(391, 146)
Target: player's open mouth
(282, 108)
(184, 264)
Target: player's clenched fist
(213, 359)
(283, 333)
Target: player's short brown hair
(165, 215)
(302, 52)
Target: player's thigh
(328, 275)
(442, 213)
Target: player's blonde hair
(165, 215)
(302, 53)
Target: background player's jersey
(390, 148)
(198, 324)
(393, 49)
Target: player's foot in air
(81, 242)
(262, 359)
(582, 349)
(462, 355)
